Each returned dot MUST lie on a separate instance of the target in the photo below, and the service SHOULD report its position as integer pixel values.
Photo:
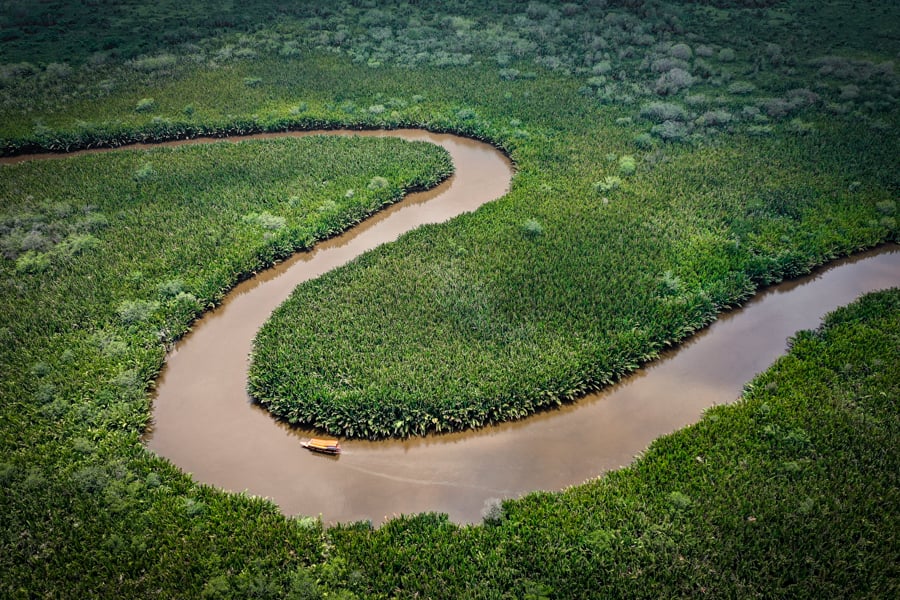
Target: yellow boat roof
(323, 443)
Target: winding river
(204, 422)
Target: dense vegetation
(671, 157)
(792, 493)
(492, 330)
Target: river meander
(204, 422)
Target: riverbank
(791, 492)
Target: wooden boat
(323, 446)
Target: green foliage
(32, 262)
(266, 220)
(610, 183)
(145, 105)
(144, 172)
(627, 165)
(532, 229)
(783, 502)
(136, 311)
(377, 183)
(761, 498)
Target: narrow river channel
(204, 422)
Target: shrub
(726, 55)
(33, 262)
(741, 88)
(145, 105)
(602, 68)
(492, 512)
(673, 82)
(666, 64)
(704, 51)
(679, 501)
(682, 51)
(663, 111)
(751, 113)
(136, 311)
(644, 141)
(252, 82)
(532, 229)
(92, 222)
(849, 92)
(57, 70)
(76, 244)
(669, 284)
(610, 183)
(170, 288)
(886, 207)
(672, 131)
(35, 240)
(777, 107)
(144, 172)
(266, 220)
(627, 166)
(377, 183)
(154, 63)
(715, 118)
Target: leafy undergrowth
(671, 156)
(792, 492)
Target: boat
(323, 446)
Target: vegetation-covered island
(672, 158)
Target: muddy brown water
(204, 422)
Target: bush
(155, 63)
(715, 118)
(602, 68)
(609, 184)
(627, 166)
(76, 244)
(660, 112)
(136, 311)
(886, 207)
(377, 183)
(33, 262)
(57, 71)
(682, 51)
(266, 220)
(849, 92)
(492, 512)
(644, 141)
(170, 288)
(671, 131)
(673, 82)
(777, 107)
(666, 64)
(144, 172)
(741, 88)
(532, 229)
(145, 105)
(726, 55)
